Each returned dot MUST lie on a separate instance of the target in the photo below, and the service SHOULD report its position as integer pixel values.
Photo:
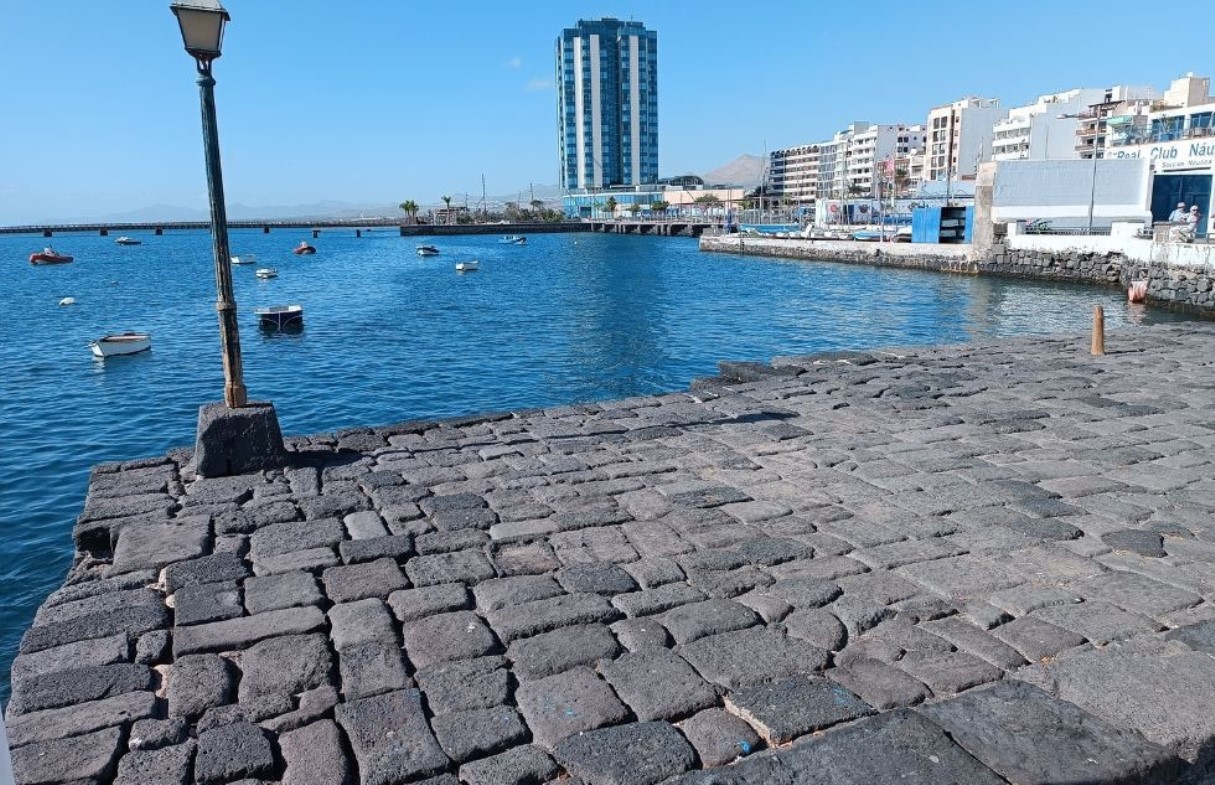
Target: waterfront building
(607, 105)
(1111, 116)
(1037, 131)
(854, 162)
(793, 173)
(960, 137)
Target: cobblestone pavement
(978, 564)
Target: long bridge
(160, 227)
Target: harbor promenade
(990, 563)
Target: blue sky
(378, 101)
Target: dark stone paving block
(276, 592)
(803, 592)
(207, 602)
(231, 752)
(338, 504)
(216, 568)
(658, 685)
(653, 572)
(255, 711)
(394, 546)
(767, 551)
(1144, 543)
(82, 654)
(283, 538)
(785, 709)
(595, 579)
(1199, 637)
(448, 636)
(64, 688)
(641, 753)
(657, 600)
(390, 738)
(859, 615)
(962, 576)
(167, 766)
(641, 634)
(356, 623)
(85, 759)
(198, 682)
(285, 666)
(526, 765)
(368, 669)
(313, 705)
(897, 554)
(154, 545)
(697, 620)
(881, 685)
(818, 627)
(469, 567)
(460, 520)
(150, 734)
(130, 622)
(246, 631)
(718, 736)
(530, 558)
(101, 603)
(553, 652)
(1098, 621)
(1026, 736)
(1036, 639)
(746, 657)
(530, 618)
(567, 704)
(413, 604)
(884, 588)
(973, 640)
(729, 583)
(1022, 600)
(1136, 593)
(770, 609)
(473, 734)
(80, 718)
(502, 592)
(697, 493)
(949, 672)
(465, 685)
(314, 755)
(360, 581)
(908, 637)
(713, 559)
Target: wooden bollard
(1098, 330)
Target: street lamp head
(202, 28)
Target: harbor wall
(1179, 275)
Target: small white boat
(246, 259)
(427, 250)
(514, 239)
(467, 267)
(68, 301)
(266, 273)
(279, 316)
(128, 241)
(121, 343)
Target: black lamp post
(235, 436)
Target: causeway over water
(973, 564)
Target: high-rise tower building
(607, 104)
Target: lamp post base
(236, 441)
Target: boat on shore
(121, 343)
(244, 259)
(514, 239)
(49, 255)
(279, 317)
(470, 266)
(303, 249)
(266, 273)
(128, 241)
(427, 250)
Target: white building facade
(960, 137)
(854, 162)
(1037, 131)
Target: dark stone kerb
(236, 441)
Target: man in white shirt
(1178, 216)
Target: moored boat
(472, 265)
(266, 272)
(128, 241)
(281, 316)
(304, 248)
(427, 250)
(49, 255)
(244, 259)
(514, 239)
(121, 343)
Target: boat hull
(280, 317)
(127, 241)
(42, 258)
(305, 251)
(116, 345)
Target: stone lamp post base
(236, 441)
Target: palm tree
(447, 211)
(411, 209)
(611, 206)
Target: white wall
(1061, 191)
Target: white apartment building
(1045, 129)
(853, 162)
(960, 137)
(1094, 131)
(1186, 111)
(793, 173)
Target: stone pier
(991, 563)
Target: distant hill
(745, 170)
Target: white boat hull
(127, 343)
(466, 267)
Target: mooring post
(316, 233)
(1098, 330)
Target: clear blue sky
(378, 101)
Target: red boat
(49, 255)
(304, 248)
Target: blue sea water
(391, 336)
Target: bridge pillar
(46, 232)
(358, 232)
(160, 230)
(316, 233)
(105, 232)
(265, 230)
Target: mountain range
(746, 170)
